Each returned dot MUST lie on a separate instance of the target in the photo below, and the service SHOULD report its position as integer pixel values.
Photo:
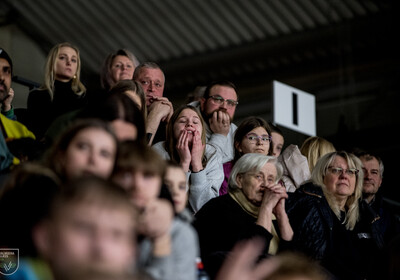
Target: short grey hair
(252, 162)
(149, 65)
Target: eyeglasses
(219, 100)
(254, 137)
(339, 171)
(260, 177)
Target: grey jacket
(205, 184)
(181, 263)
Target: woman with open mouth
(186, 145)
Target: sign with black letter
(294, 108)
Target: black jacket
(220, 224)
(312, 221)
(319, 234)
(42, 110)
(377, 229)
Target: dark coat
(312, 221)
(220, 224)
(42, 111)
(319, 234)
(377, 229)
(378, 219)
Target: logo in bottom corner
(9, 261)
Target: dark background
(345, 52)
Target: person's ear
(237, 147)
(239, 180)
(202, 103)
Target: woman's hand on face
(279, 208)
(182, 147)
(272, 195)
(197, 152)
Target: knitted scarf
(252, 210)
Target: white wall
(28, 60)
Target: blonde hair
(315, 147)
(318, 175)
(50, 73)
(106, 79)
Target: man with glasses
(217, 107)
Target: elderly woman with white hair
(253, 207)
(324, 211)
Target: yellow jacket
(15, 130)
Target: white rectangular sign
(294, 108)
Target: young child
(87, 147)
(91, 226)
(168, 247)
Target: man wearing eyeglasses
(218, 106)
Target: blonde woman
(315, 147)
(324, 212)
(61, 92)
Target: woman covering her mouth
(186, 145)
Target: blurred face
(209, 105)
(372, 175)
(91, 152)
(152, 81)
(175, 179)
(5, 79)
(124, 130)
(122, 68)
(341, 185)
(188, 121)
(253, 184)
(91, 235)
(277, 144)
(66, 64)
(255, 142)
(143, 187)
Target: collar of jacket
(323, 206)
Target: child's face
(92, 236)
(175, 179)
(188, 122)
(143, 187)
(91, 152)
(277, 143)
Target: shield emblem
(9, 261)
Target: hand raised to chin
(220, 122)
